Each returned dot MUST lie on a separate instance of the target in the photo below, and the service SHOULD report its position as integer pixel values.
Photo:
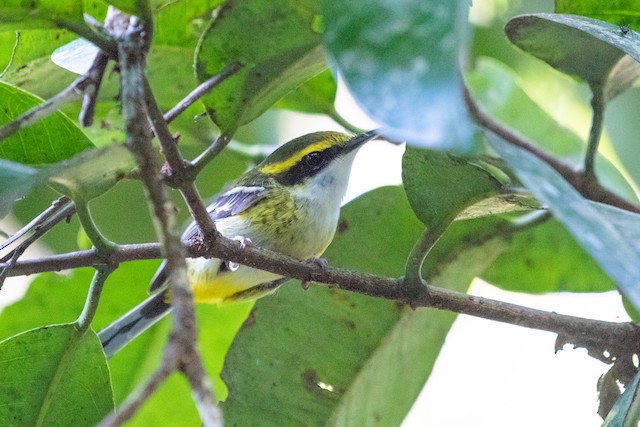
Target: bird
(289, 203)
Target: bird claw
(319, 263)
(243, 242)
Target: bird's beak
(358, 140)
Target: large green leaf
(497, 90)
(294, 368)
(54, 375)
(327, 356)
(50, 140)
(400, 61)
(18, 49)
(287, 53)
(611, 236)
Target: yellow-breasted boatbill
(289, 203)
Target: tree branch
(615, 337)
(204, 88)
(137, 104)
(589, 188)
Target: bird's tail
(139, 319)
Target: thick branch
(614, 336)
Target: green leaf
(18, 14)
(18, 49)
(576, 45)
(304, 362)
(45, 370)
(48, 141)
(181, 22)
(16, 180)
(93, 172)
(610, 235)
(496, 89)
(335, 356)
(620, 12)
(547, 258)
(314, 96)
(287, 53)
(400, 61)
(626, 411)
(441, 187)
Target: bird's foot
(243, 242)
(319, 263)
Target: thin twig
(96, 73)
(590, 189)
(41, 224)
(204, 88)
(136, 399)
(36, 222)
(178, 170)
(210, 153)
(93, 297)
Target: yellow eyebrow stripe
(286, 164)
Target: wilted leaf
(626, 411)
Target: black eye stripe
(310, 164)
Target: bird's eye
(314, 159)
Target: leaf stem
(210, 153)
(93, 297)
(413, 283)
(103, 245)
(597, 121)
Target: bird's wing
(230, 203)
(235, 201)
